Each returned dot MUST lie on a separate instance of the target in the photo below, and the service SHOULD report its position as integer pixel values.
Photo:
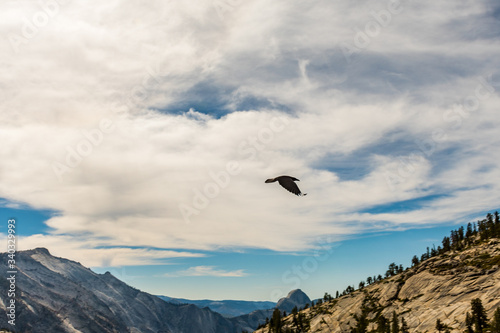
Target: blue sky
(137, 139)
(257, 274)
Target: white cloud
(92, 252)
(284, 100)
(207, 271)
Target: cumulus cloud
(156, 126)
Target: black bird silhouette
(288, 183)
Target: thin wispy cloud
(94, 253)
(207, 271)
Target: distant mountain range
(227, 308)
(59, 295)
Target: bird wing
(289, 185)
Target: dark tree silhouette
(415, 261)
(383, 325)
(394, 323)
(446, 244)
(495, 322)
(478, 315)
(439, 326)
(468, 323)
(361, 323)
(497, 225)
(404, 326)
(275, 322)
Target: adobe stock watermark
(85, 146)
(371, 30)
(11, 272)
(248, 149)
(31, 26)
(485, 88)
(293, 277)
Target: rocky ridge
(59, 295)
(441, 287)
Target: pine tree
(362, 322)
(490, 225)
(439, 325)
(478, 315)
(454, 239)
(468, 323)
(392, 269)
(446, 244)
(434, 252)
(395, 323)
(276, 321)
(495, 322)
(415, 261)
(302, 323)
(469, 233)
(461, 234)
(404, 326)
(497, 225)
(383, 325)
(294, 316)
(482, 229)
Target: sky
(136, 137)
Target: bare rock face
(441, 287)
(59, 295)
(295, 298)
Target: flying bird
(288, 183)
